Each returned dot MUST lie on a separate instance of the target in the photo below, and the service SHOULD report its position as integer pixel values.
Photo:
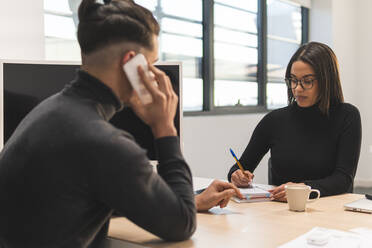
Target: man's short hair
(115, 21)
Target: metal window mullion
(262, 52)
(305, 25)
(208, 56)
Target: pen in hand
(240, 166)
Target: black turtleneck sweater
(307, 146)
(66, 169)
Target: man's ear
(128, 56)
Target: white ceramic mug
(298, 196)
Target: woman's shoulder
(277, 114)
(347, 109)
(346, 114)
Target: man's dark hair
(115, 21)
(324, 63)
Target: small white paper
(363, 231)
(338, 239)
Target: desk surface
(260, 224)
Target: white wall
(343, 24)
(21, 29)
(345, 43)
(320, 26)
(207, 140)
(21, 35)
(362, 82)
(352, 44)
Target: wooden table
(260, 224)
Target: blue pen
(238, 163)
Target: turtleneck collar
(91, 87)
(311, 110)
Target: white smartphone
(130, 69)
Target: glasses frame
(299, 81)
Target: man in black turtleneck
(65, 169)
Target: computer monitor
(24, 84)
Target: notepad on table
(253, 194)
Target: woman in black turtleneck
(316, 139)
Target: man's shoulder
(103, 137)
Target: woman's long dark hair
(324, 63)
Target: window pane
(190, 9)
(189, 52)
(234, 37)
(181, 40)
(235, 19)
(59, 26)
(191, 66)
(276, 95)
(182, 27)
(284, 20)
(235, 52)
(284, 37)
(148, 4)
(234, 64)
(235, 93)
(228, 70)
(278, 55)
(250, 5)
(192, 94)
(61, 6)
(175, 44)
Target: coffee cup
(298, 196)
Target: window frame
(208, 108)
(208, 68)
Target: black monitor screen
(26, 85)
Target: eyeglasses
(306, 83)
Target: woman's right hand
(242, 180)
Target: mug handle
(318, 192)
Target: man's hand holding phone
(160, 113)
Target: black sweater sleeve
(348, 150)
(162, 203)
(257, 147)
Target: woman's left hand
(278, 193)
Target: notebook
(253, 194)
(363, 205)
